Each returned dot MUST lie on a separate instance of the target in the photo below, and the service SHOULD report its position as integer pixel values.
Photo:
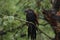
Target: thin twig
(37, 28)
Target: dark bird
(31, 17)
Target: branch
(2, 32)
(40, 31)
(36, 27)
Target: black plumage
(31, 17)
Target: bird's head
(29, 11)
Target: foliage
(11, 9)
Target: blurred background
(12, 19)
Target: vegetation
(12, 19)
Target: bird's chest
(30, 17)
